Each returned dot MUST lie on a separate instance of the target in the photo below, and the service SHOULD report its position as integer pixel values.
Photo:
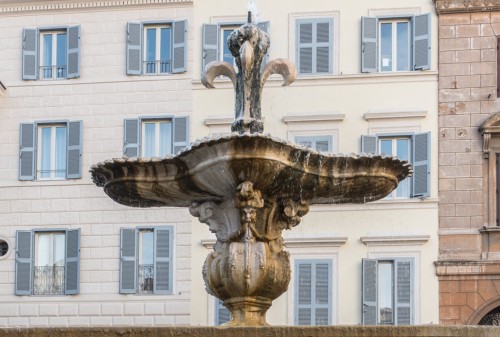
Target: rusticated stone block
(480, 17)
(454, 19)
(468, 30)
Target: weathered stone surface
(295, 331)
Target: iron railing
(157, 67)
(49, 280)
(145, 282)
(53, 72)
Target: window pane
(386, 147)
(386, 46)
(61, 49)
(149, 140)
(165, 138)
(403, 50)
(151, 44)
(47, 50)
(147, 245)
(59, 247)
(227, 56)
(45, 152)
(60, 155)
(165, 50)
(43, 250)
(385, 292)
(322, 145)
(403, 152)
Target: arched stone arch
(480, 316)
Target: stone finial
(248, 45)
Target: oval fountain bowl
(212, 168)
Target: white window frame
(54, 70)
(158, 66)
(293, 18)
(394, 46)
(330, 132)
(157, 123)
(394, 138)
(53, 127)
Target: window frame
(156, 259)
(158, 49)
(71, 260)
(314, 45)
(314, 139)
(53, 150)
(136, 46)
(394, 43)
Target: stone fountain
(248, 187)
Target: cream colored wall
(349, 94)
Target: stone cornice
(396, 240)
(466, 6)
(35, 6)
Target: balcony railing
(49, 280)
(145, 279)
(157, 67)
(53, 72)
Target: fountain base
(248, 311)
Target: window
(414, 148)
(318, 143)
(50, 150)
(155, 137)
(146, 265)
(313, 292)
(48, 262)
(156, 48)
(314, 46)
(222, 314)
(214, 44)
(387, 294)
(4, 248)
(395, 44)
(51, 53)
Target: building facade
(469, 236)
(84, 81)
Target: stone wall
(327, 331)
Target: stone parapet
(466, 6)
(295, 331)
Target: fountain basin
(212, 168)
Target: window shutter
(181, 133)
(74, 150)
(323, 293)
(323, 30)
(128, 270)
(179, 58)
(27, 151)
(421, 166)
(30, 54)
(264, 25)
(369, 292)
(210, 44)
(422, 42)
(72, 268)
(73, 62)
(222, 314)
(369, 44)
(131, 140)
(24, 262)
(305, 46)
(134, 57)
(163, 260)
(368, 144)
(404, 291)
(303, 293)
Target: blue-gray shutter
(323, 49)
(369, 292)
(404, 291)
(421, 164)
(368, 144)
(27, 151)
(74, 150)
(30, 54)
(222, 314)
(179, 55)
(72, 263)
(318, 143)
(163, 260)
(369, 45)
(305, 46)
(264, 25)
(313, 292)
(73, 61)
(181, 133)
(134, 55)
(24, 262)
(422, 42)
(128, 270)
(131, 137)
(210, 46)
